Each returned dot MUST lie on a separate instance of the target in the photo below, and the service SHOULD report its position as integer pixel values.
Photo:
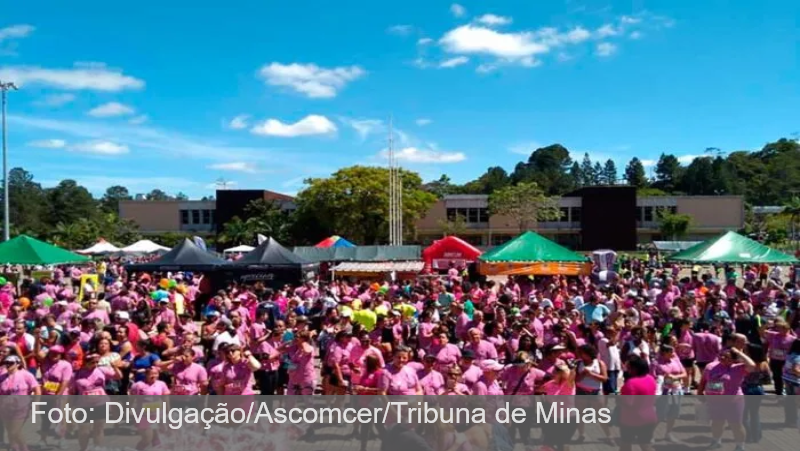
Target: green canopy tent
(24, 250)
(732, 248)
(532, 254)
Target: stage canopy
(450, 249)
(100, 248)
(144, 247)
(271, 254)
(533, 254)
(732, 248)
(334, 241)
(359, 253)
(183, 257)
(24, 250)
(240, 249)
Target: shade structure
(270, 263)
(183, 257)
(24, 250)
(144, 247)
(100, 248)
(370, 269)
(240, 249)
(334, 241)
(732, 248)
(271, 253)
(449, 249)
(359, 253)
(533, 254)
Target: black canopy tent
(183, 257)
(270, 263)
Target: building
(200, 217)
(591, 218)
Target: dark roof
(183, 257)
(360, 253)
(271, 253)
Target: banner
(39, 275)
(261, 238)
(85, 278)
(535, 269)
(199, 242)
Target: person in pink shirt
(637, 414)
(684, 349)
(14, 409)
(559, 389)
(336, 367)
(779, 342)
(483, 349)
(89, 382)
(302, 374)
(707, 346)
(670, 375)
(447, 354)
(725, 377)
(489, 383)
(145, 391)
(399, 378)
(237, 371)
(432, 381)
(97, 312)
(188, 377)
(360, 352)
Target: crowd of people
(651, 329)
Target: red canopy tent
(449, 249)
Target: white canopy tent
(101, 247)
(240, 249)
(144, 247)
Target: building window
(498, 240)
(195, 216)
(451, 214)
(564, 214)
(184, 217)
(206, 216)
(648, 214)
(576, 214)
(673, 210)
(483, 215)
(470, 215)
(211, 217)
(475, 240)
(639, 212)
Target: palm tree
(235, 231)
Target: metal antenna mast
(395, 194)
(4, 88)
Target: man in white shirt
(225, 334)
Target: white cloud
(48, 144)
(416, 155)
(100, 148)
(686, 159)
(630, 20)
(238, 166)
(95, 78)
(240, 122)
(563, 57)
(424, 41)
(56, 100)
(481, 40)
(606, 31)
(457, 10)
(365, 127)
(401, 30)
(635, 35)
(423, 121)
(552, 37)
(493, 20)
(139, 120)
(649, 163)
(485, 68)
(454, 62)
(605, 49)
(310, 79)
(16, 32)
(111, 109)
(525, 148)
(310, 125)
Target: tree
(598, 173)
(267, 218)
(157, 194)
(27, 203)
(441, 187)
(110, 201)
(588, 171)
(699, 177)
(792, 209)
(668, 172)
(576, 175)
(455, 227)
(525, 203)
(236, 232)
(673, 225)
(181, 196)
(609, 172)
(634, 173)
(69, 202)
(354, 202)
(494, 179)
(549, 168)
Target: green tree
(157, 194)
(68, 202)
(267, 218)
(494, 179)
(609, 176)
(549, 168)
(441, 187)
(699, 177)
(576, 175)
(454, 227)
(110, 201)
(525, 203)
(236, 232)
(673, 225)
(27, 204)
(634, 173)
(354, 202)
(588, 171)
(668, 172)
(181, 196)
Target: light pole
(5, 87)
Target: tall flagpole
(5, 87)
(391, 186)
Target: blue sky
(177, 94)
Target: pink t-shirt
(638, 410)
(483, 387)
(237, 378)
(723, 379)
(432, 383)
(483, 350)
(707, 347)
(188, 378)
(779, 344)
(301, 370)
(446, 356)
(20, 382)
(666, 368)
(402, 381)
(142, 388)
(55, 375)
(685, 348)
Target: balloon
(173, 284)
(25, 303)
(48, 302)
(182, 289)
(154, 295)
(163, 283)
(3, 281)
(383, 290)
